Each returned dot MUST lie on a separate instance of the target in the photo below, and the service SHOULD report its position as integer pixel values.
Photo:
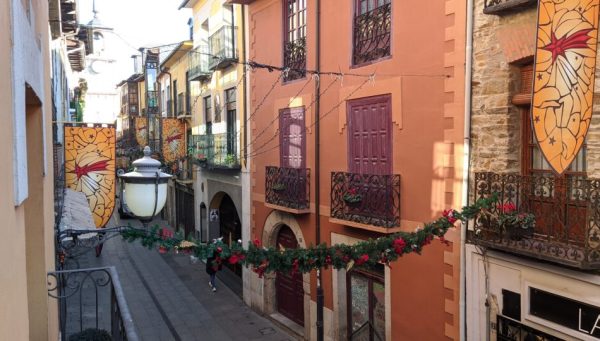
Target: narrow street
(169, 298)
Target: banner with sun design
(173, 139)
(141, 131)
(563, 87)
(90, 167)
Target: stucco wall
(26, 248)
(424, 76)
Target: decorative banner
(141, 131)
(173, 139)
(563, 87)
(90, 167)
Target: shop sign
(575, 315)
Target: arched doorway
(289, 287)
(230, 227)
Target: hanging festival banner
(90, 167)
(141, 131)
(173, 139)
(563, 89)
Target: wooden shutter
(292, 137)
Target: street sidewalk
(169, 298)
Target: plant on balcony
(513, 224)
(278, 187)
(230, 160)
(351, 196)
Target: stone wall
(500, 44)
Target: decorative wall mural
(563, 87)
(173, 139)
(90, 167)
(141, 131)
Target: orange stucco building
(390, 148)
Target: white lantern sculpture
(145, 187)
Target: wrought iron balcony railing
(294, 57)
(567, 211)
(222, 48)
(287, 187)
(215, 150)
(372, 35)
(500, 6)
(366, 199)
(91, 298)
(198, 63)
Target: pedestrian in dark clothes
(213, 264)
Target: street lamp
(145, 188)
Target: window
(294, 41)
(371, 30)
(230, 107)
(207, 114)
(366, 304)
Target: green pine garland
(339, 256)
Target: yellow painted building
(219, 114)
(27, 243)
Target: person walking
(213, 264)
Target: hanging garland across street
(263, 260)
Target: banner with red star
(90, 167)
(563, 88)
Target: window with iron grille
(294, 38)
(371, 30)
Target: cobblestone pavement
(169, 298)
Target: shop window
(366, 304)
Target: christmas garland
(263, 260)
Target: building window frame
(294, 39)
(373, 277)
(207, 114)
(371, 45)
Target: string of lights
(317, 119)
(276, 118)
(276, 133)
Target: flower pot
(517, 232)
(162, 249)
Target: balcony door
(292, 137)
(556, 200)
(370, 135)
(370, 156)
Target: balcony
(222, 48)
(91, 298)
(567, 211)
(215, 151)
(366, 201)
(287, 189)
(372, 35)
(506, 6)
(198, 67)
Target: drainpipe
(320, 302)
(466, 173)
(243, 57)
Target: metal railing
(222, 47)
(91, 298)
(567, 217)
(372, 34)
(215, 150)
(366, 198)
(199, 60)
(287, 187)
(294, 57)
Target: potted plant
(352, 197)
(513, 224)
(278, 187)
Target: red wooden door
(289, 289)
(292, 137)
(370, 135)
